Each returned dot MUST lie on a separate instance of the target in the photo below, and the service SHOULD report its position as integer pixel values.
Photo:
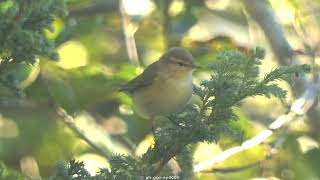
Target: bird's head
(177, 59)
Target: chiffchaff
(165, 86)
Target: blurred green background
(102, 45)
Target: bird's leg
(153, 128)
(173, 121)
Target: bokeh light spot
(176, 7)
(138, 7)
(217, 4)
(72, 54)
(8, 128)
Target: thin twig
(69, 121)
(264, 16)
(166, 23)
(274, 145)
(129, 29)
(299, 107)
(95, 8)
(165, 160)
(20, 11)
(308, 90)
(234, 169)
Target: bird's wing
(144, 79)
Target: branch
(265, 17)
(299, 107)
(285, 54)
(129, 29)
(166, 23)
(269, 155)
(234, 168)
(69, 121)
(95, 8)
(165, 160)
(20, 12)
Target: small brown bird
(165, 86)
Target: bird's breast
(164, 96)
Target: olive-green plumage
(165, 86)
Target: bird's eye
(181, 64)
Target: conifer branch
(299, 107)
(225, 89)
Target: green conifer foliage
(234, 77)
(23, 37)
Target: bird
(165, 86)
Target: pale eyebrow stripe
(178, 59)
